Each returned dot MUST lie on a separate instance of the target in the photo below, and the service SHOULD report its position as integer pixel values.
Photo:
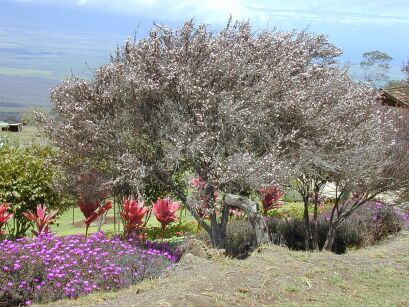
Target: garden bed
(50, 268)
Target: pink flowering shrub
(50, 268)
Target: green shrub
(27, 177)
(293, 210)
(240, 237)
(291, 195)
(291, 233)
(173, 230)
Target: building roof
(398, 95)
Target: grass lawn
(66, 226)
(28, 136)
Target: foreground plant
(165, 212)
(27, 177)
(41, 219)
(50, 268)
(4, 216)
(89, 209)
(132, 215)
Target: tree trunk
(306, 225)
(101, 221)
(315, 234)
(216, 235)
(255, 219)
(329, 241)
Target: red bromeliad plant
(270, 198)
(41, 219)
(4, 215)
(133, 214)
(165, 211)
(89, 209)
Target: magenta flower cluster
(49, 268)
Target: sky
(53, 39)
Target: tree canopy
(239, 108)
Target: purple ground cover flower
(49, 268)
(373, 211)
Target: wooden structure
(4, 126)
(397, 96)
(18, 127)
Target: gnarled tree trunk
(255, 219)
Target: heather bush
(49, 268)
(240, 239)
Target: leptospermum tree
(343, 139)
(223, 105)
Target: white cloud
(259, 11)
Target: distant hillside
(19, 93)
(28, 91)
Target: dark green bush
(290, 232)
(366, 226)
(240, 238)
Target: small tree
(376, 66)
(337, 133)
(405, 69)
(221, 105)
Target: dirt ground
(275, 276)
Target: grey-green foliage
(376, 66)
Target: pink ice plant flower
(49, 268)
